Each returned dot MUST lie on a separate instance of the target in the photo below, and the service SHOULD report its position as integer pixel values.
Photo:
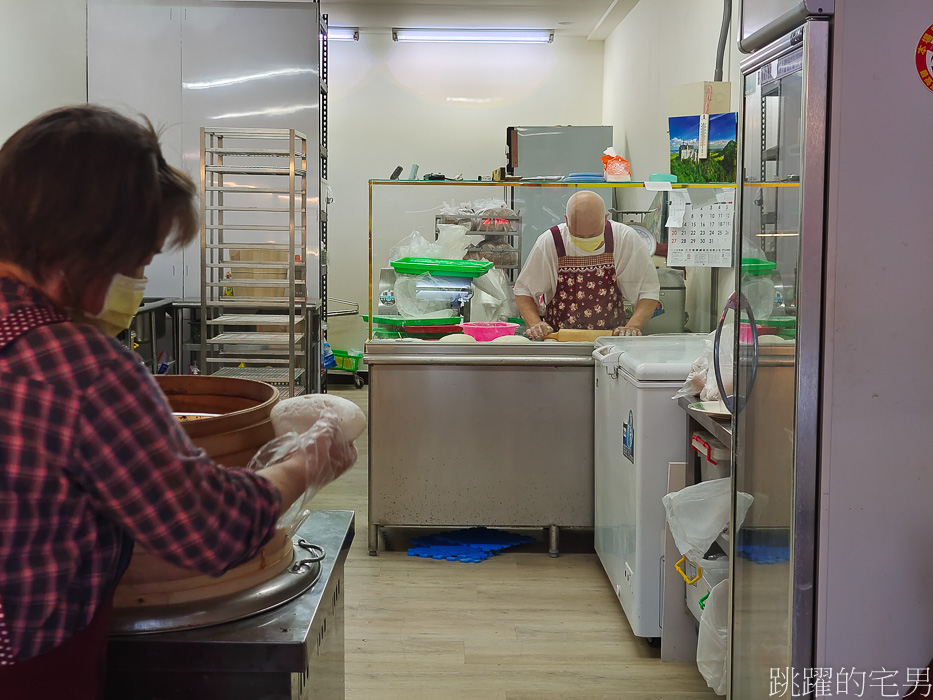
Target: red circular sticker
(925, 57)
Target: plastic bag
(327, 454)
(698, 514)
(713, 639)
(493, 215)
(701, 379)
(615, 167)
(327, 357)
(696, 377)
(493, 298)
(453, 213)
(710, 390)
(414, 245)
(452, 240)
(414, 300)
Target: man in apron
(584, 269)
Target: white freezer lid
(665, 357)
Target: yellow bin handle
(689, 581)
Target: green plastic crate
(348, 360)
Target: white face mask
(121, 303)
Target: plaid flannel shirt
(92, 459)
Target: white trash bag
(713, 639)
(698, 514)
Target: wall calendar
(700, 234)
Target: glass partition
(504, 219)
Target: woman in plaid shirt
(91, 458)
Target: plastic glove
(327, 452)
(623, 330)
(539, 331)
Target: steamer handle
(317, 554)
(736, 403)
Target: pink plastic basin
(487, 330)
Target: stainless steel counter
(480, 434)
(293, 652)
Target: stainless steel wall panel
(134, 66)
(252, 67)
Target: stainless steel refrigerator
(542, 151)
(829, 595)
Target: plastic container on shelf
(756, 266)
(488, 330)
(715, 457)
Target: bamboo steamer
(239, 427)
(242, 407)
(151, 582)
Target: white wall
(444, 107)
(42, 59)
(661, 44)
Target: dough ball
(298, 414)
(511, 339)
(457, 338)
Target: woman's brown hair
(86, 191)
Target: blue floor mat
(484, 542)
(450, 553)
(764, 554)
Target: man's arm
(641, 314)
(528, 308)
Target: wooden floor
(518, 626)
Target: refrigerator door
(552, 150)
(777, 372)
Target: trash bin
(713, 639)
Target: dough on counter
(298, 414)
(511, 339)
(457, 338)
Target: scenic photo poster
(719, 164)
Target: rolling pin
(574, 335)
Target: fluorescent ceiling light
(478, 36)
(343, 33)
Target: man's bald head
(586, 214)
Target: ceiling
(594, 19)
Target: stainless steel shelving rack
(506, 229)
(254, 201)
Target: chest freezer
(638, 430)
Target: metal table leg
(553, 541)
